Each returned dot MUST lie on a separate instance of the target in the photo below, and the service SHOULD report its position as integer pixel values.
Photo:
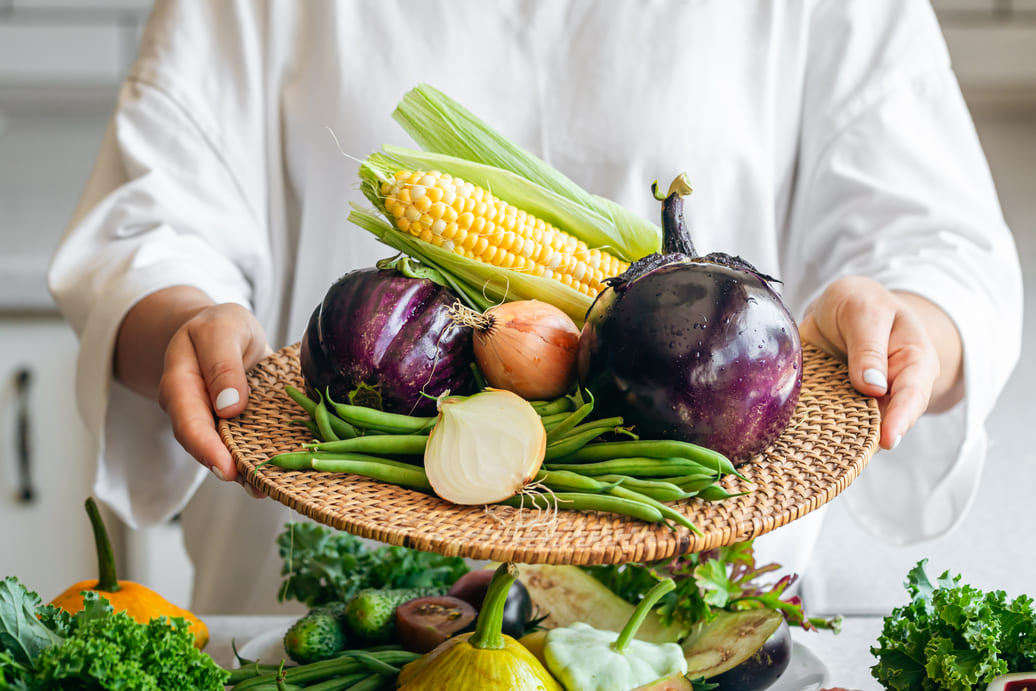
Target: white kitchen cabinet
(47, 541)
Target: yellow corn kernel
(472, 222)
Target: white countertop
(846, 655)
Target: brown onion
(528, 347)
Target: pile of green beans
(624, 475)
(352, 670)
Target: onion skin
(530, 348)
(695, 351)
(380, 328)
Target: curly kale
(43, 648)
(953, 637)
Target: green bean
(325, 669)
(634, 466)
(342, 429)
(584, 501)
(390, 423)
(249, 669)
(608, 424)
(557, 405)
(697, 483)
(349, 681)
(303, 460)
(655, 448)
(304, 401)
(717, 493)
(383, 444)
(552, 421)
(567, 481)
(570, 421)
(571, 443)
(309, 425)
(323, 420)
(386, 470)
(666, 511)
(659, 489)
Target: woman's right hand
(191, 355)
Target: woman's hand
(900, 348)
(191, 354)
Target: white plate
(805, 672)
(267, 647)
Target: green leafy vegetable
(325, 565)
(723, 578)
(42, 647)
(953, 637)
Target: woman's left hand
(900, 348)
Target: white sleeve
(164, 206)
(893, 185)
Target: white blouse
(824, 138)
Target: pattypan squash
(583, 658)
(484, 660)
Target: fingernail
(896, 442)
(227, 398)
(218, 473)
(874, 377)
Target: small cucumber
(370, 615)
(317, 635)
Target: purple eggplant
(386, 340)
(700, 349)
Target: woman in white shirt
(827, 141)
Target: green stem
(488, 630)
(640, 613)
(107, 581)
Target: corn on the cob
(471, 222)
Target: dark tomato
(425, 622)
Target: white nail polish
(875, 377)
(218, 473)
(226, 398)
(896, 442)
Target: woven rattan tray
(830, 439)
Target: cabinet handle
(26, 493)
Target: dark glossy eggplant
(518, 610)
(700, 349)
(387, 338)
(742, 651)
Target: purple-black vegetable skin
(699, 349)
(390, 337)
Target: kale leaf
(324, 565)
(953, 636)
(42, 647)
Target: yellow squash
(485, 660)
(141, 603)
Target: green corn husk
(458, 143)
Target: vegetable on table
(584, 658)
(525, 346)
(425, 622)
(370, 616)
(140, 602)
(46, 647)
(953, 636)
(384, 340)
(695, 348)
(744, 650)
(484, 448)
(317, 635)
(484, 660)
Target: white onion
(484, 448)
